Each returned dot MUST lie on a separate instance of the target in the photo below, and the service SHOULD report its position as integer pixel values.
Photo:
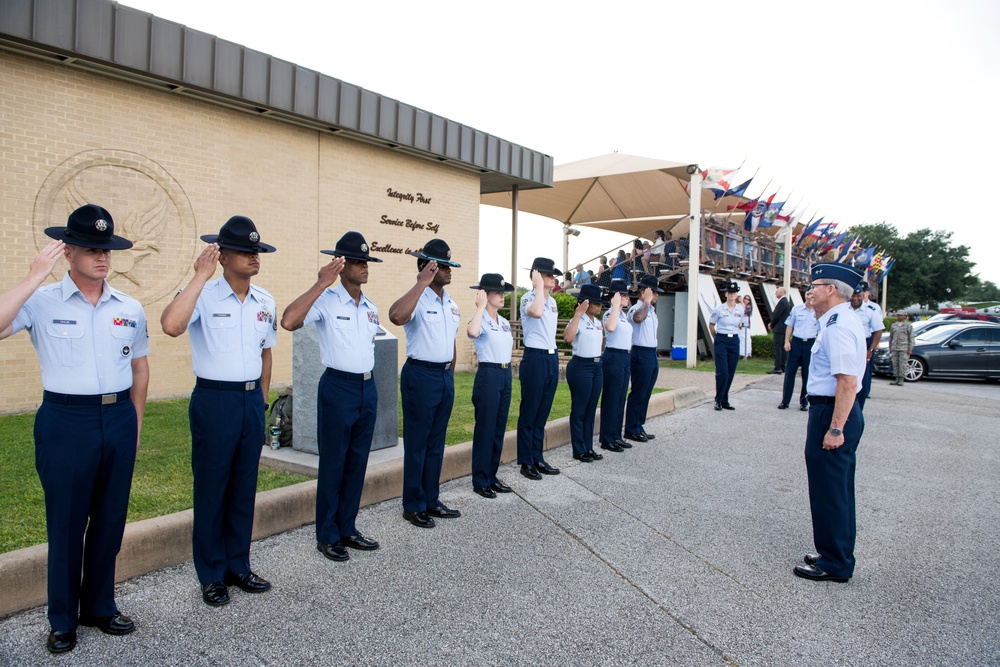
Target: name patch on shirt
(343, 317)
(222, 314)
(125, 322)
(63, 321)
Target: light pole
(567, 232)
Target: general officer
(724, 325)
(427, 383)
(493, 339)
(539, 371)
(801, 329)
(92, 344)
(644, 365)
(584, 373)
(870, 316)
(233, 326)
(615, 365)
(347, 398)
(836, 423)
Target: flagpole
(694, 268)
(885, 288)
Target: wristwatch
(836, 432)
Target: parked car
(919, 328)
(981, 317)
(960, 349)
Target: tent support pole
(513, 253)
(694, 268)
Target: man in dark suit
(777, 327)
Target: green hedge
(762, 346)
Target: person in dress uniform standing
(232, 327)
(347, 398)
(836, 422)
(800, 329)
(584, 373)
(724, 325)
(539, 371)
(616, 367)
(491, 389)
(644, 366)
(92, 344)
(872, 324)
(427, 383)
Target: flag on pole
(716, 178)
(756, 214)
(808, 231)
(738, 191)
(771, 214)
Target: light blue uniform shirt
(839, 350)
(621, 337)
(346, 330)
(227, 336)
(84, 349)
(539, 332)
(431, 331)
(803, 322)
(870, 320)
(495, 340)
(726, 320)
(589, 338)
(643, 333)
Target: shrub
(762, 346)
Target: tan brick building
(174, 131)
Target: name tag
(343, 317)
(222, 315)
(63, 321)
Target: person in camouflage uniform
(900, 346)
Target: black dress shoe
(119, 624)
(359, 542)
(804, 408)
(215, 595)
(813, 573)
(531, 472)
(500, 487)
(810, 559)
(782, 406)
(718, 406)
(638, 437)
(485, 491)
(61, 642)
(611, 447)
(248, 582)
(546, 469)
(648, 436)
(443, 512)
(726, 406)
(594, 456)
(419, 519)
(623, 444)
(583, 458)
(334, 551)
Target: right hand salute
(329, 273)
(46, 259)
(426, 275)
(207, 262)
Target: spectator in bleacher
(618, 270)
(603, 276)
(656, 251)
(580, 276)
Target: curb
(165, 541)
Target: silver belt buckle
(366, 376)
(109, 399)
(550, 351)
(250, 386)
(597, 359)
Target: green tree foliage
(982, 291)
(928, 269)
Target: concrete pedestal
(306, 371)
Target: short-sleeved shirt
(431, 331)
(227, 336)
(84, 349)
(589, 338)
(803, 322)
(495, 341)
(870, 320)
(347, 330)
(839, 350)
(539, 332)
(727, 320)
(621, 337)
(643, 333)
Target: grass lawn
(751, 366)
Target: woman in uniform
(491, 334)
(615, 363)
(583, 373)
(724, 324)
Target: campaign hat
(546, 266)
(435, 250)
(732, 286)
(89, 226)
(493, 282)
(648, 281)
(618, 286)
(591, 293)
(845, 273)
(352, 245)
(239, 233)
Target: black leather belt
(615, 350)
(822, 400)
(726, 335)
(436, 365)
(348, 376)
(491, 364)
(803, 340)
(644, 347)
(81, 399)
(592, 360)
(538, 350)
(250, 385)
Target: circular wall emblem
(151, 210)
(254, 237)
(102, 225)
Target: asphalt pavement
(677, 552)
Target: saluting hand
(581, 308)
(481, 299)
(426, 275)
(46, 259)
(647, 296)
(328, 274)
(616, 300)
(207, 261)
(537, 281)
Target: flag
(864, 258)
(844, 249)
(716, 178)
(783, 234)
(754, 216)
(833, 244)
(771, 214)
(820, 234)
(734, 192)
(877, 261)
(808, 231)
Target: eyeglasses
(815, 285)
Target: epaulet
(832, 320)
(871, 305)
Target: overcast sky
(870, 111)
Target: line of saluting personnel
(92, 344)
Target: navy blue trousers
(227, 432)
(866, 382)
(831, 489)
(491, 400)
(798, 357)
(616, 365)
(727, 355)
(428, 395)
(645, 370)
(586, 379)
(539, 376)
(345, 424)
(85, 456)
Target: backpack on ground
(280, 416)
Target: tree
(928, 269)
(982, 291)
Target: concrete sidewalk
(677, 552)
